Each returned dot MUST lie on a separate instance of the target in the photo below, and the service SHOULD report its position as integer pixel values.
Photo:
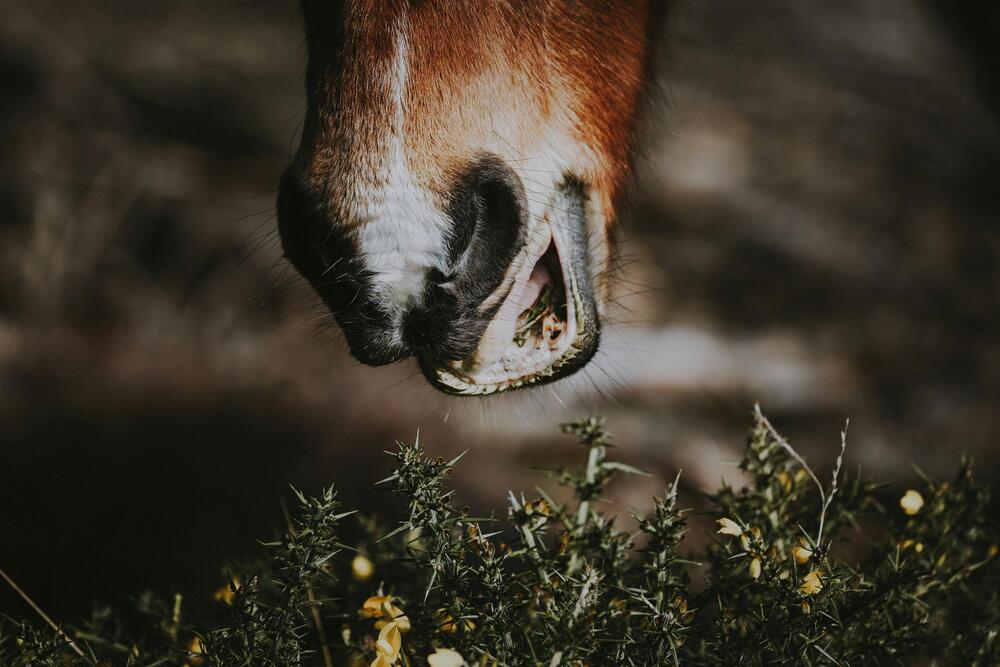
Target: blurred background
(816, 229)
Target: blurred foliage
(561, 584)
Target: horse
(461, 168)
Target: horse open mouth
(544, 324)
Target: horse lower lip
(511, 364)
(516, 298)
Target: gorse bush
(789, 577)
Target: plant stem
(44, 616)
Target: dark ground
(817, 230)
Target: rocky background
(817, 229)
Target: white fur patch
(403, 233)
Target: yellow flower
(382, 608)
(195, 651)
(538, 507)
(807, 607)
(745, 538)
(755, 568)
(785, 482)
(811, 584)
(801, 552)
(911, 502)
(729, 527)
(372, 607)
(681, 605)
(445, 657)
(227, 593)
(387, 646)
(992, 551)
(448, 623)
(362, 568)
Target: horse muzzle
(510, 303)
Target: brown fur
(501, 76)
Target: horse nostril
(486, 210)
(489, 220)
(488, 230)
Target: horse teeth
(552, 330)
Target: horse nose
(488, 218)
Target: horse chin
(543, 323)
